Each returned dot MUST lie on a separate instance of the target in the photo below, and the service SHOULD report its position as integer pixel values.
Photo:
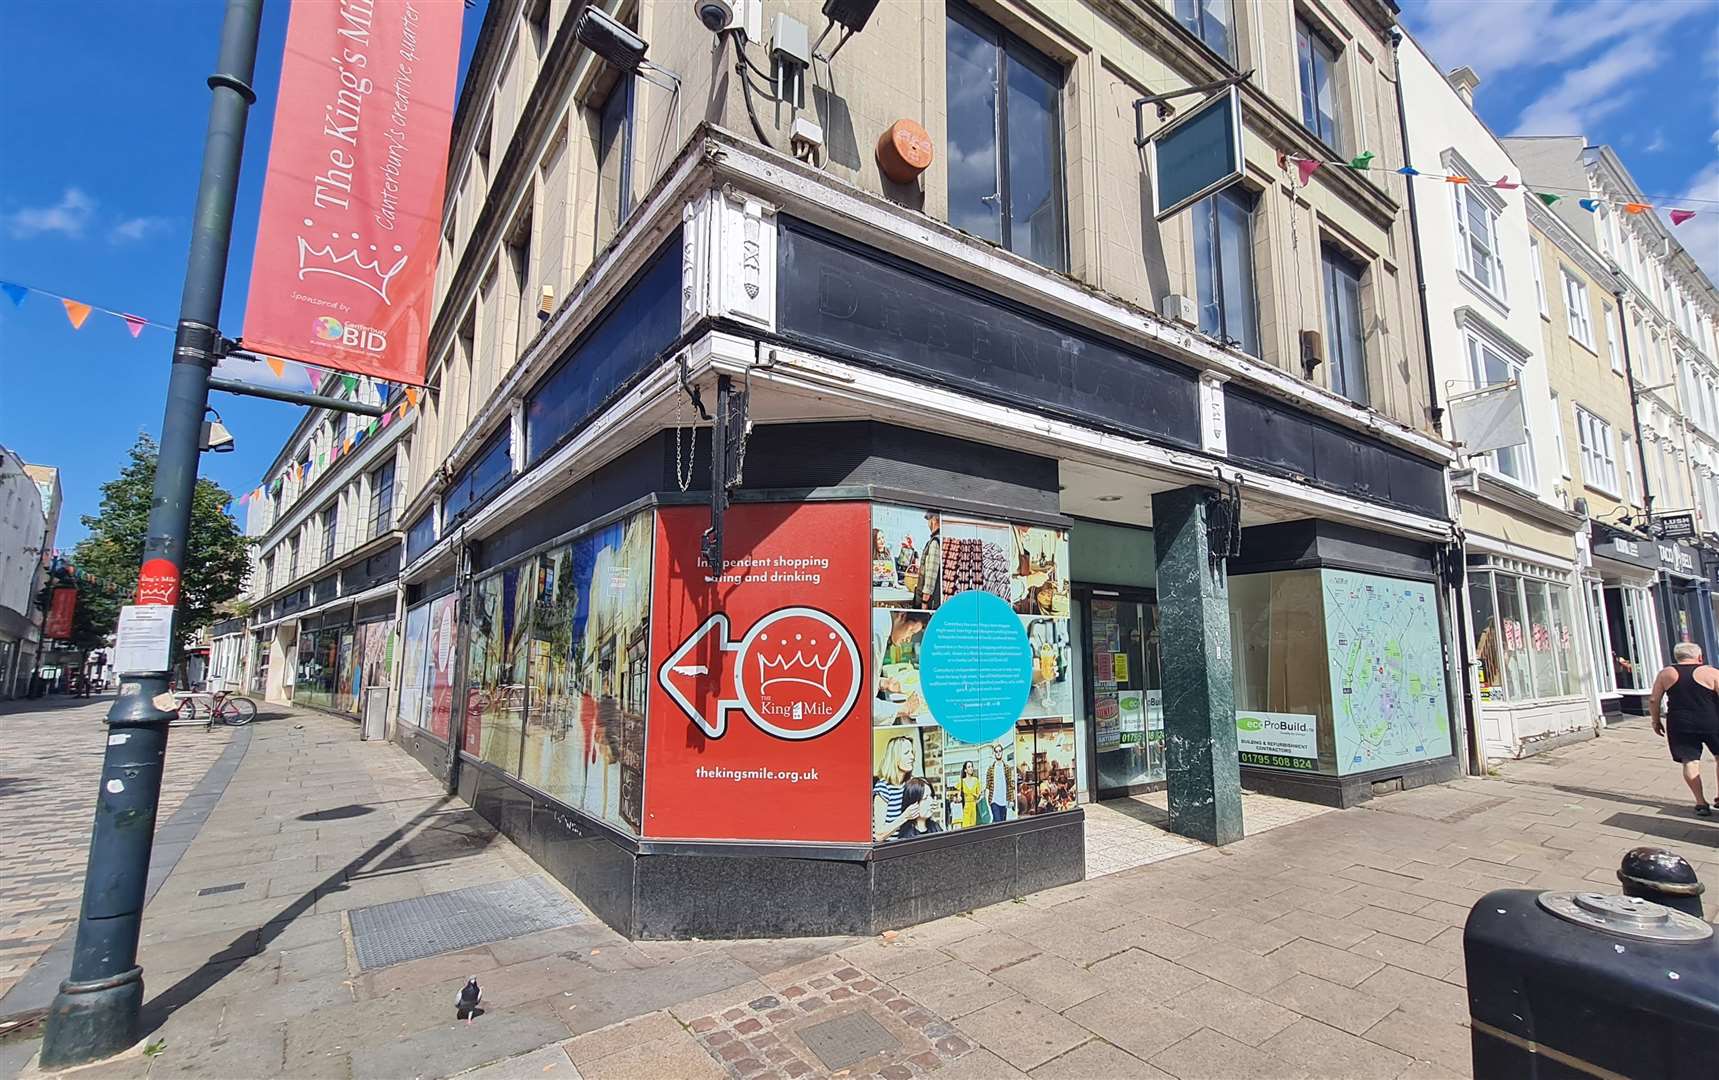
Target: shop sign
(1278, 740)
(1676, 526)
(757, 672)
(1677, 559)
(65, 603)
(1609, 544)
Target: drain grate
(847, 1040)
(213, 889)
(423, 926)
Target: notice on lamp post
(144, 643)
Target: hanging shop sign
(1676, 526)
(347, 241)
(758, 675)
(64, 604)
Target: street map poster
(1388, 701)
(345, 261)
(758, 717)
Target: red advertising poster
(759, 728)
(59, 624)
(346, 247)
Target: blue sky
(102, 122)
(105, 106)
(1640, 75)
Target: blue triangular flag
(16, 292)
(1409, 170)
(1592, 206)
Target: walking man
(1690, 690)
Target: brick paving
(1327, 947)
(50, 763)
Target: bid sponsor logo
(368, 338)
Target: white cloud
(1656, 144)
(68, 217)
(1493, 38)
(1592, 91)
(1700, 234)
(133, 229)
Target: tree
(217, 556)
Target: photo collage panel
(1002, 674)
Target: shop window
(1346, 342)
(1634, 641)
(1213, 22)
(496, 666)
(1223, 267)
(614, 160)
(409, 706)
(1320, 654)
(1525, 636)
(1316, 60)
(1005, 139)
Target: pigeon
(466, 1001)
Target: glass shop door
(1124, 701)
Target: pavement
(1328, 946)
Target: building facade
(1523, 621)
(28, 513)
(1663, 307)
(321, 628)
(739, 452)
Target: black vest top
(1689, 706)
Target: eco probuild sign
(347, 240)
(1278, 740)
(757, 673)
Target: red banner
(759, 727)
(346, 251)
(59, 624)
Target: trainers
(1703, 810)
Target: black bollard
(1662, 876)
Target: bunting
(1306, 167)
(77, 312)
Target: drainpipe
(1435, 412)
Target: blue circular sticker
(975, 667)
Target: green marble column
(1199, 694)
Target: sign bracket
(1165, 110)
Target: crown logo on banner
(349, 265)
(800, 668)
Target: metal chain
(683, 479)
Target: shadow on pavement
(247, 943)
(1683, 829)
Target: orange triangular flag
(276, 366)
(1456, 179)
(1636, 207)
(134, 323)
(77, 313)
(412, 396)
(346, 447)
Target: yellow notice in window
(1120, 663)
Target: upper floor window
(1223, 267)
(381, 500)
(1490, 367)
(1317, 61)
(1213, 22)
(292, 557)
(1477, 226)
(1005, 140)
(330, 530)
(1599, 463)
(1346, 341)
(614, 160)
(1576, 308)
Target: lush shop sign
(758, 672)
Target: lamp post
(96, 1013)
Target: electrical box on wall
(1178, 308)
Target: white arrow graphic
(714, 726)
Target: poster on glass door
(1278, 740)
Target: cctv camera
(716, 15)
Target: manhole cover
(423, 926)
(847, 1040)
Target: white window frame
(1539, 277)
(1598, 452)
(1576, 313)
(1479, 342)
(1599, 636)
(1466, 201)
(1610, 315)
(1632, 485)
(1558, 435)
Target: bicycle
(222, 705)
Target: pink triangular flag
(135, 323)
(1678, 217)
(77, 312)
(1503, 183)
(387, 418)
(1307, 167)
